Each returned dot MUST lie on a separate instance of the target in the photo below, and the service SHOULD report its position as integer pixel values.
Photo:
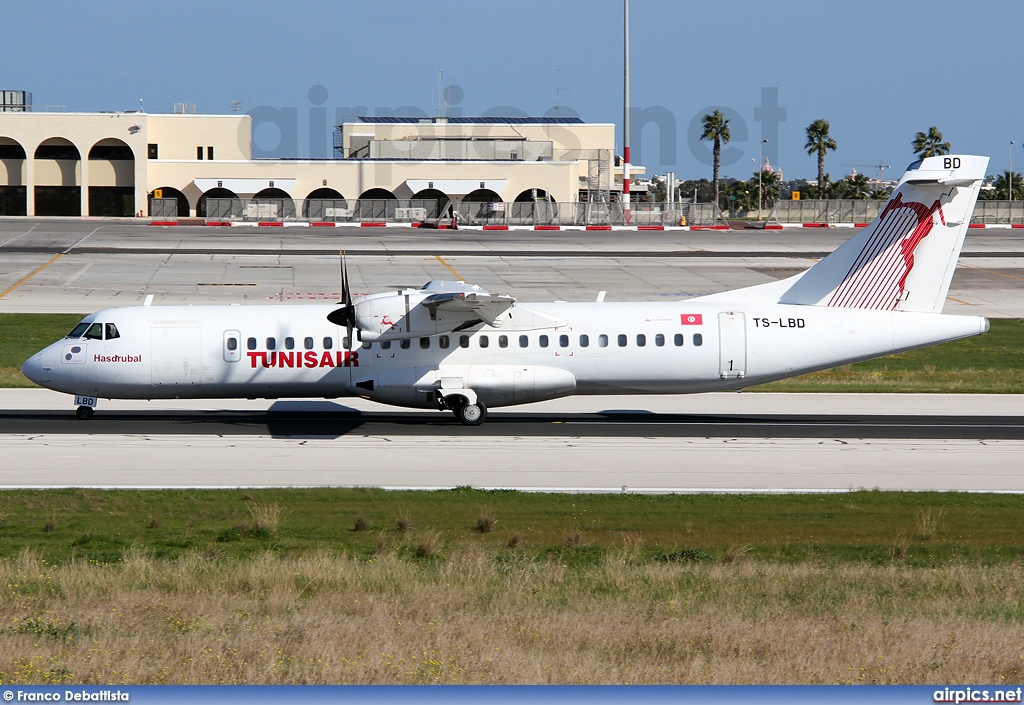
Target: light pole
(759, 169)
(1010, 180)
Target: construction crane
(880, 166)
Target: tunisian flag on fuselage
(691, 319)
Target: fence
(826, 211)
(546, 213)
(275, 210)
(998, 212)
(248, 210)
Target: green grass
(24, 334)
(985, 365)
(866, 526)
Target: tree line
(819, 143)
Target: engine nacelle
(494, 385)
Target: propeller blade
(346, 291)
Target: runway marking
(449, 268)
(81, 241)
(32, 274)
(18, 237)
(991, 271)
(965, 303)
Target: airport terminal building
(113, 164)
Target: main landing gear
(469, 412)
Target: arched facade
(216, 193)
(274, 204)
(170, 192)
(534, 195)
(376, 204)
(13, 194)
(441, 202)
(57, 167)
(111, 178)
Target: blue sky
(878, 71)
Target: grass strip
(918, 529)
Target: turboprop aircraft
(452, 345)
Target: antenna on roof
(558, 90)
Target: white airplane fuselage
(287, 350)
(454, 346)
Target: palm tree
(930, 144)
(716, 128)
(1002, 186)
(857, 186)
(818, 142)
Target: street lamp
(759, 170)
(1010, 180)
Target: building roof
(544, 120)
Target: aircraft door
(177, 354)
(732, 348)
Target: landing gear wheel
(84, 412)
(471, 414)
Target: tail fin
(904, 260)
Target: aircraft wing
(471, 305)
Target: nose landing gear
(84, 412)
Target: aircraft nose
(33, 368)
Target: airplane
(453, 346)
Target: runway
(701, 443)
(716, 442)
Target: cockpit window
(77, 331)
(95, 332)
(112, 332)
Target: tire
(471, 414)
(84, 412)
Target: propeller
(346, 315)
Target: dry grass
(467, 617)
(928, 522)
(485, 522)
(265, 517)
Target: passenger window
(232, 344)
(289, 343)
(622, 340)
(502, 341)
(524, 341)
(659, 340)
(698, 339)
(641, 340)
(543, 341)
(563, 341)
(308, 343)
(484, 342)
(112, 332)
(404, 343)
(251, 343)
(678, 340)
(424, 343)
(463, 341)
(602, 340)
(584, 340)
(329, 343)
(95, 332)
(271, 343)
(385, 345)
(443, 342)
(367, 346)
(77, 331)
